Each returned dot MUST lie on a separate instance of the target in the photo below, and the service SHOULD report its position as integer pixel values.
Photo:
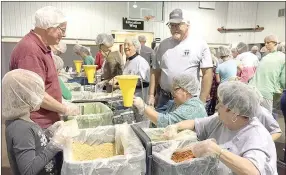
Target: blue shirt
(227, 70)
(191, 109)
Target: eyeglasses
(268, 42)
(175, 90)
(62, 30)
(175, 25)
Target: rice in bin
(82, 152)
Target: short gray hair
(142, 38)
(135, 42)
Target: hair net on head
(76, 48)
(263, 49)
(59, 63)
(105, 39)
(22, 92)
(142, 38)
(213, 51)
(239, 98)
(281, 47)
(61, 47)
(49, 16)
(272, 38)
(135, 42)
(223, 51)
(187, 82)
(85, 50)
(254, 48)
(233, 50)
(241, 47)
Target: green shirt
(191, 109)
(270, 75)
(66, 93)
(88, 60)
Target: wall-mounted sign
(132, 24)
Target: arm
(65, 92)
(244, 167)
(217, 78)
(30, 163)
(186, 124)
(206, 83)
(276, 136)
(49, 103)
(151, 114)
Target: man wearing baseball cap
(182, 52)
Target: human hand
(139, 104)
(207, 147)
(52, 129)
(71, 110)
(171, 131)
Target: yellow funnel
(90, 71)
(127, 84)
(77, 64)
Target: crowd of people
(224, 95)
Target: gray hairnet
(241, 47)
(223, 51)
(59, 63)
(22, 92)
(135, 42)
(187, 82)
(239, 98)
(281, 47)
(49, 16)
(105, 39)
(233, 50)
(81, 49)
(142, 38)
(263, 49)
(76, 48)
(272, 38)
(254, 48)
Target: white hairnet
(61, 47)
(59, 63)
(213, 51)
(76, 48)
(223, 51)
(85, 50)
(233, 50)
(254, 48)
(135, 42)
(142, 38)
(241, 47)
(263, 49)
(239, 98)
(272, 38)
(105, 39)
(49, 16)
(187, 82)
(22, 92)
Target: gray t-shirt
(188, 56)
(252, 142)
(267, 119)
(147, 53)
(29, 151)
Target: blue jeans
(162, 102)
(283, 108)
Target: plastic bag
(73, 86)
(132, 162)
(157, 135)
(93, 115)
(162, 163)
(88, 95)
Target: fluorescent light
(135, 5)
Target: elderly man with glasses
(182, 53)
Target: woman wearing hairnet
(136, 65)
(113, 63)
(270, 75)
(66, 93)
(243, 145)
(30, 149)
(184, 106)
(228, 68)
(84, 53)
(59, 49)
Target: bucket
(77, 64)
(127, 84)
(90, 71)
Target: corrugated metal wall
(87, 19)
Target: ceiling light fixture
(135, 5)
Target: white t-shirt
(248, 59)
(252, 142)
(174, 57)
(138, 66)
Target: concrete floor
(5, 169)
